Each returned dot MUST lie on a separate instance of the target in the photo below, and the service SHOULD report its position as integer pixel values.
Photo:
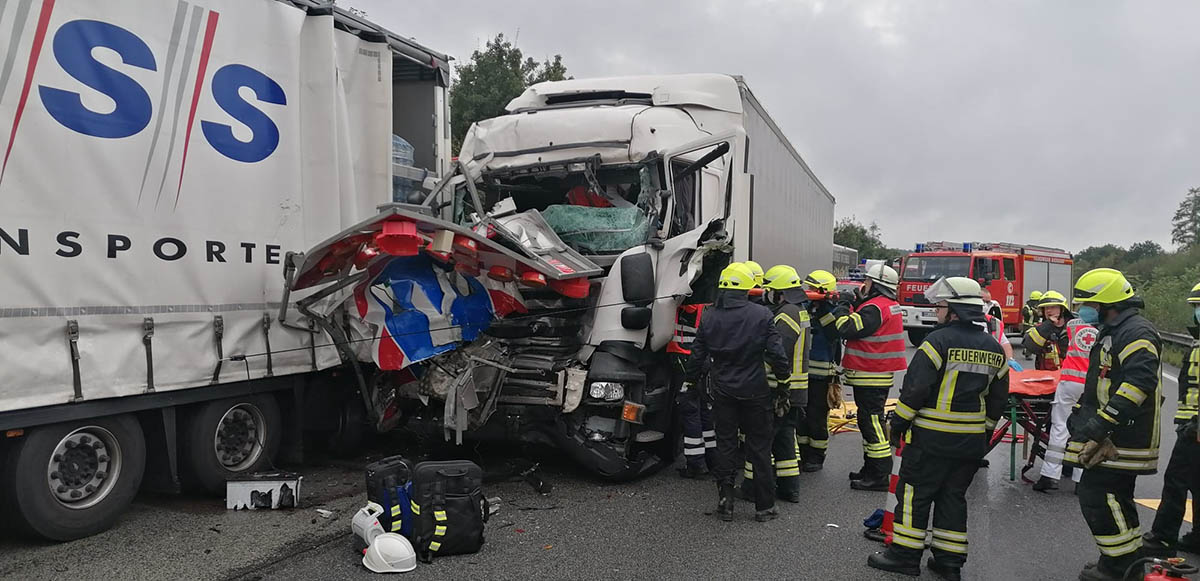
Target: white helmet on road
(390, 553)
(883, 275)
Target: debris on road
(325, 513)
(263, 490)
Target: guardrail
(1181, 339)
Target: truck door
(1010, 301)
(705, 176)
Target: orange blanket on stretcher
(1032, 383)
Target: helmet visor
(942, 290)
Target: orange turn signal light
(633, 412)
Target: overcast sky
(1064, 123)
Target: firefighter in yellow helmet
(756, 293)
(1183, 469)
(733, 341)
(1049, 340)
(824, 356)
(1115, 428)
(1030, 317)
(954, 392)
(785, 297)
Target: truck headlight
(606, 390)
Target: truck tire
(917, 336)
(228, 438)
(72, 480)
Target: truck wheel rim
(238, 442)
(84, 467)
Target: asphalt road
(659, 527)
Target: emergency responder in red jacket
(1048, 340)
(1183, 469)
(733, 341)
(954, 393)
(692, 404)
(787, 301)
(1115, 428)
(823, 359)
(874, 334)
(1079, 336)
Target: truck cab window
(1010, 269)
(683, 217)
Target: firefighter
(1048, 340)
(699, 439)
(1079, 334)
(823, 358)
(1183, 469)
(733, 341)
(787, 301)
(953, 394)
(756, 293)
(1030, 317)
(874, 352)
(1115, 428)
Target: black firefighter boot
(886, 561)
(725, 501)
(944, 571)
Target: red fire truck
(1010, 271)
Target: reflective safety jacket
(874, 335)
(1080, 338)
(795, 329)
(1124, 388)
(954, 391)
(732, 342)
(826, 350)
(1029, 315)
(1050, 342)
(687, 320)
(1189, 382)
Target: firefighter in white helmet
(874, 332)
(954, 393)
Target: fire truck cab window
(932, 267)
(1010, 269)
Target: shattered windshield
(933, 267)
(594, 210)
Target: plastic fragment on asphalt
(325, 513)
(832, 526)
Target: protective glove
(1096, 452)
(782, 405)
(896, 430)
(1092, 428)
(842, 310)
(1013, 365)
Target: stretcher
(1030, 395)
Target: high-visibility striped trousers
(1106, 500)
(785, 454)
(929, 482)
(699, 438)
(813, 433)
(870, 394)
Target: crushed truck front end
(530, 296)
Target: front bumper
(919, 317)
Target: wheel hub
(238, 441)
(83, 466)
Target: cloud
(1050, 123)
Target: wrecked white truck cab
(531, 295)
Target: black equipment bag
(388, 485)
(449, 508)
